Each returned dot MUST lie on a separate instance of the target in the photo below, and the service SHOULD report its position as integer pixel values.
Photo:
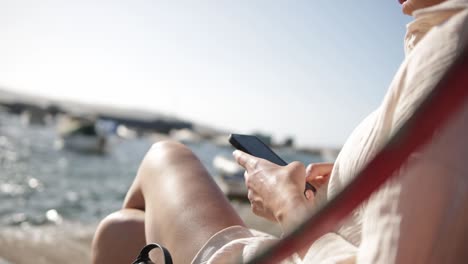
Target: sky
(307, 69)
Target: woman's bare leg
(183, 205)
(119, 237)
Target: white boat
(84, 135)
(85, 143)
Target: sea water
(52, 198)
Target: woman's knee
(119, 237)
(160, 158)
(168, 150)
(165, 154)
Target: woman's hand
(275, 192)
(317, 174)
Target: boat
(85, 134)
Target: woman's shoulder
(428, 62)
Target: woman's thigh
(183, 205)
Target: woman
(419, 217)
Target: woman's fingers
(250, 195)
(318, 172)
(309, 194)
(258, 207)
(246, 178)
(247, 161)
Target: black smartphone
(255, 147)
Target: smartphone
(255, 147)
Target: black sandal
(143, 257)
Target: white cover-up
(421, 216)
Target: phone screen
(255, 147)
